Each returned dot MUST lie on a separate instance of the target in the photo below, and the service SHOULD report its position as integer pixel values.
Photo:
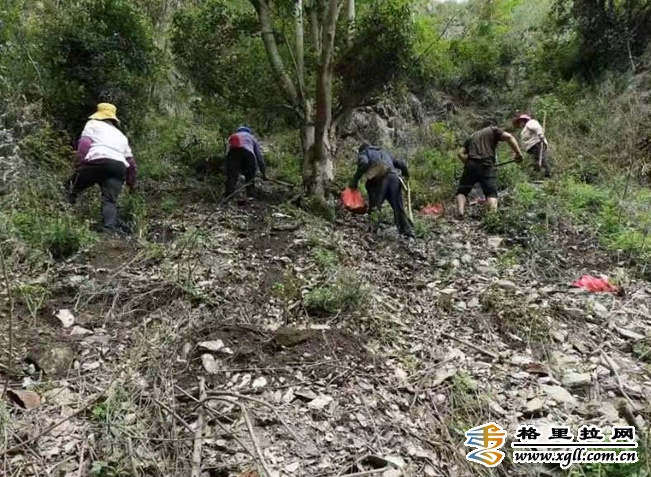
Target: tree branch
(275, 59)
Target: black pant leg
(375, 200)
(248, 165)
(111, 188)
(85, 176)
(232, 171)
(393, 194)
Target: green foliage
(345, 294)
(47, 148)
(32, 296)
(133, 212)
(59, 234)
(380, 53)
(95, 51)
(217, 46)
(326, 259)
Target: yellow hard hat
(105, 111)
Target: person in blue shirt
(383, 184)
(243, 156)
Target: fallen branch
(368, 472)
(84, 408)
(245, 415)
(613, 368)
(469, 345)
(198, 436)
(252, 399)
(10, 333)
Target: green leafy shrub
(48, 148)
(346, 294)
(95, 51)
(60, 235)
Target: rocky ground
(253, 339)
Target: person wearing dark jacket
(104, 158)
(478, 155)
(244, 156)
(382, 184)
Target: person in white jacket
(104, 158)
(535, 143)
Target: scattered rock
(628, 334)
(444, 374)
(466, 259)
(293, 467)
(25, 399)
(55, 361)
(575, 312)
(209, 363)
(599, 310)
(495, 242)
(259, 383)
(396, 460)
(91, 366)
(80, 331)
(534, 407)
(507, 285)
(60, 396)
(214, 346)
(320, 402)
(558, 394)
(576, 380)
(66, 318)
(305, 395)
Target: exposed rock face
(397, 122)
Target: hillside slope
(324, 351)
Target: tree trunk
(300, 47)
(350, 19)
(322, 158)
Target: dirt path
(334, 346)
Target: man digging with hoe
(478, 155)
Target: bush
(95, 51)
(60, 235)
(346, 294)
(48, 148)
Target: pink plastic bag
(353, 200)
(433, 209)
(594, 284)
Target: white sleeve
(127, 151)
(535, 128)
(89, 130)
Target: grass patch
(522, 327)
(61, 235)
(346, 293)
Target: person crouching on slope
(534, 142)
(480, 164)
(382, 183)
(243, 157)
(104, 158)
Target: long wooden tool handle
(411, 214)
(542, 146)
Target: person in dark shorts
(104, 158)
(479, 157)
(244, 156)
(380, 169)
